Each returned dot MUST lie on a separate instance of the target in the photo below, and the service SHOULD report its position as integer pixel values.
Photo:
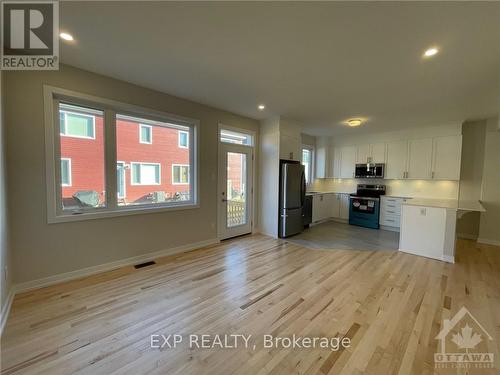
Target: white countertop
(446, 203)
(327, 192)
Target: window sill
(66, 218)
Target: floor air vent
(146, 264)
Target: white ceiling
(316, 63)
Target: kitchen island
(428, 226)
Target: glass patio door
(235, 190)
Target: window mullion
(111, 171)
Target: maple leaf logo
(466, 340)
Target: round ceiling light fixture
(431, 52)
(66, 36)
(261, 107)
(354, 122)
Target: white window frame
(55, 214)
(180, 183)
(140, 134)
(144, 163)
(69, 171)
(179, 139)
(311, 163)
(65, 111)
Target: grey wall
(471, 175)
(41, 249)
(5, 254)
(489, 230)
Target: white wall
(5, 254)
(40, 249)
(269, 176)
(489, 228)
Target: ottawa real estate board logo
(463, 343)
(30, 32)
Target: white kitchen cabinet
(397, 155)
(322, 207)
(363, 153)
(447, 152)
(336, 205)
(419, 159)
(347, 161)
(290, 148)
(322, 163)
(390, 212)
(335, 165)
(377, 152)
(344, 206)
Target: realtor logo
(30, 35)
(463, 343)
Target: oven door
(364, 211)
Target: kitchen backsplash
(403, 188)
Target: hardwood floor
(391, 305)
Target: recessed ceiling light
(431, 52)
(261, 107)
(66, 36)
(354, 122)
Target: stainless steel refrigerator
(292, 196)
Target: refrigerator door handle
(303, 189)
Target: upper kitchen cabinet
(290, 147)
(322, 163)
(397, 155)
(363, 153)
(447, 153)
(335, 164)
(377, 152)
(347, 161)
(419, 159)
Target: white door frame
(222, 182)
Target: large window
(103, 160)
(307, 157)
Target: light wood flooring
(391, 305)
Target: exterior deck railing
(235, 213)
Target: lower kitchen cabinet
(390, 212)
(344, 206)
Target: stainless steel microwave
(370, 170)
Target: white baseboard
(444, 258)
(467, 236)
(488, 241)
(67, 276)
(6, 309)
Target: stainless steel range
(364, 205)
